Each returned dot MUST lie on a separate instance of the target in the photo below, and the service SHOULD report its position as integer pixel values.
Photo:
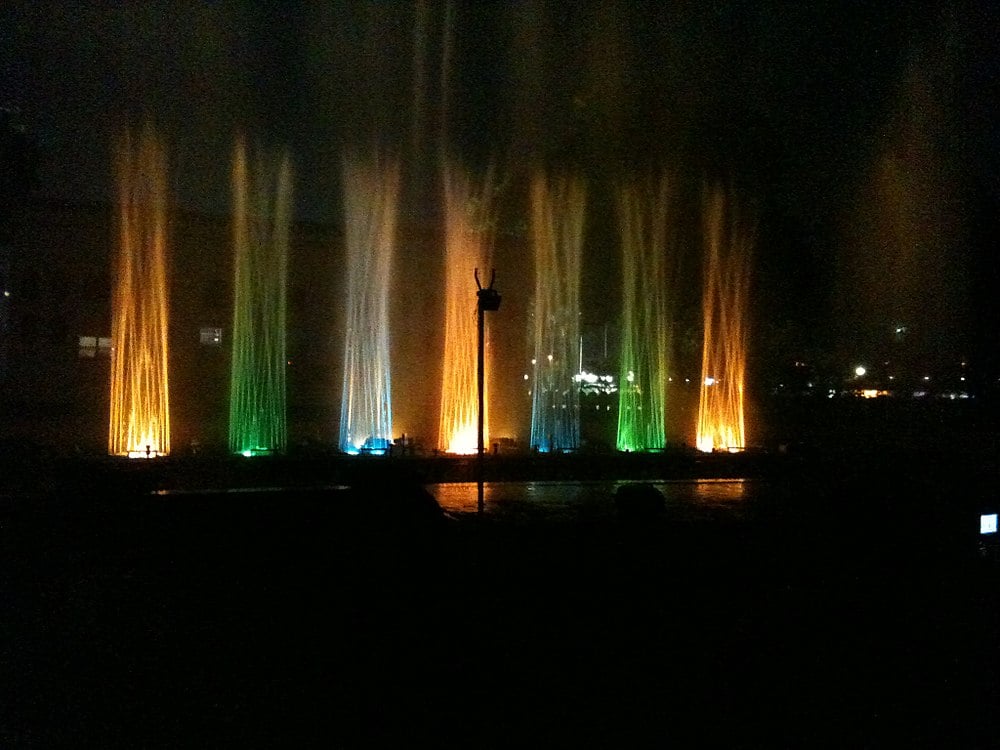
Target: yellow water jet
(140, 414)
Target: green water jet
(261, 217)
(642, 219)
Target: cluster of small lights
(592, 383)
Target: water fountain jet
(468, 243)
(557, 223)
(725, 295)
(261, 217)
(371, 201)
(642, 218)
(140, 409)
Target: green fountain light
(642, 215)
(261, 216)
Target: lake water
(568, 502)
(811, 609)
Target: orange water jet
(721, 425)
(140, 413)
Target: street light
(488, 299)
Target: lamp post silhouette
(488, 299)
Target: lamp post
(488, 299)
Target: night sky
(861, 137)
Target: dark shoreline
(316, 599)
(35, 473)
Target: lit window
(210, 336)
(91, 346)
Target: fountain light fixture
(147, 453)
(251, 452)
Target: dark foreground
(855, 609)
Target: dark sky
(862, 136)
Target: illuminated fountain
(140, 413)
(642, 217)
(261, 216)
(371, 200)
(468, 243)
(724, 309)
(557, 221)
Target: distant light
(525, 376)
(247, 453)
(6, 293)
(927, 377)
(533, 362)
(988, 523)
(860, 371)
(550, 358)
(630, 377)
(709, 380)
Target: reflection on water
(712, 499)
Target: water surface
(710, 499)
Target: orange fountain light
(140, 421)
(468, 241)
(721, 425)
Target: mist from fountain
(469, 233)
(262, 206)
(642, 220)
(371, 207)
(557, 225)
(725, 300)
(140, 409)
